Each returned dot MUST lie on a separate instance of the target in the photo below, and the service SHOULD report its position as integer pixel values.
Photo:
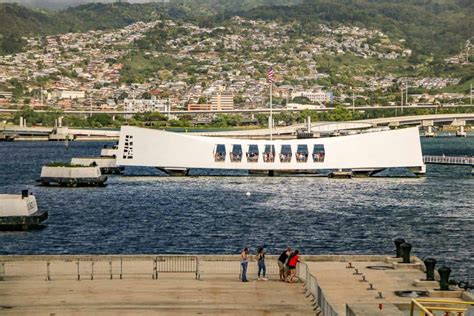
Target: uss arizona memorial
(177, 153)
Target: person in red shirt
(292, 262)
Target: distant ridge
(429, 27)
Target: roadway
(250, 111)
(317, 127)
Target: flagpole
(271, 112)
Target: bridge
(328, 128)
(251, 111)
(317, 128)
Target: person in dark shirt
(282, 260)
(262, 269)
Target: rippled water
(142, 212)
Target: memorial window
(252, 153)
(269, 153)
(302, 153)
(319, 153)
(285, 153)
(236, 153)
(219, 153)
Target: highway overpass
(322, 128)
(249, 111)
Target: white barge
(20, 212)
(177, 153)
(72, 176)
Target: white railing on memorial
(449, 160)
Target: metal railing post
(110, 265)
(92, 269)
(47, 271)
(121, 271)
(155, 269)
(2, 270)
(197, 269)
(78, 271)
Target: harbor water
(143, 212)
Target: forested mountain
(429, 26)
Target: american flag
(270, 73)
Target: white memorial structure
(177, 153)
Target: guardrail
(312, 288)
(428, 307)
(120, 267)
(349, 311)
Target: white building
(67, 94)
(313, 96)
(298, 106)
(147, 105)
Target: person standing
(282, 263)
(244, 262)
(292, 262)
(262, 269)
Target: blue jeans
(262, 267)
(244, 270)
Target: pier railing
(312, 288)
(82, 267)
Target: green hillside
(429, 26)
(438, 27)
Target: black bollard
(444, 273)
(406, 248)
(430, 264)
(398, 243)
(24, 194)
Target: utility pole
(90, 103)
(406, 91)
(401, 96)
(353, 101)
(470, 96)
